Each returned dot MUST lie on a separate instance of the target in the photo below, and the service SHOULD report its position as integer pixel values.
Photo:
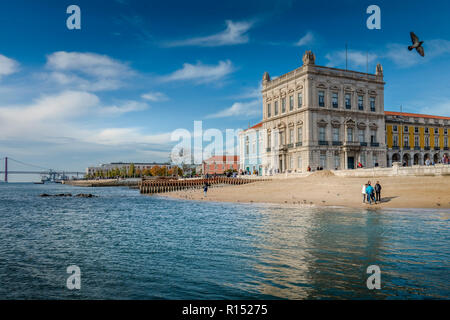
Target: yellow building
(415, 138)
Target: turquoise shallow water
(130, 246)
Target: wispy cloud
(235, 33)
(86, 71)
(7, 66)
(399, 54)
(201, 73)
(128, 106)
(249, 109)
(154, 96)
(355, 58)
(307, 39)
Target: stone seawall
(396, 170)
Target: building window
(426, 130)
(372, 104)
(394, 128)
(373, 136)
(436, 141)
(406, 141)
(427, 142)
(360, 102)
(337, 161)
(299, 162)
(406, 129)
(291, 135)
(276, 108)
(321, 99)
(445, 142)
(335, 134)
(375, 159)
(348, 104)
(246, 146)
(269, 141)
(291, 103)
(395, 141)
(323, 159)
(361, 135)
(299, 100)
(416, 141)
(283, 105)
(416, 129)
(335, 100)
(268, 111)
(300, 134)
(321, 133)
(445, 131)
(436, 131)
(349, 134)
(282, 141)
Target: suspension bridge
(45, 173)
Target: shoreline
(323, 189)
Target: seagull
(416, 44)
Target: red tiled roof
(258, 125)
(417, 115)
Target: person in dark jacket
(205, 187)
(378, 191)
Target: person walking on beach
(369, 192)
(205, 187)
(363, 191)
(378, 192)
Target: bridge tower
(6, 169)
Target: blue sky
(137, 70)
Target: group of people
(371, 193)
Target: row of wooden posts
(165, 185)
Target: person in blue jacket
(369, 192)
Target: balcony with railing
(363, 144)
(290, 145)
(427, 148)
(374, 144)
(268, 149)
(417, 148)
(337, 143)
(298, 144)
(437, 148)
(395, 148)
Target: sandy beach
(325, 189)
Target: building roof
(256, 126)
(416, 115)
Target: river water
(130, 246)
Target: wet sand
(325, 189)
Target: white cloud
(402, 57)
(242, 109)
(86, 71)
(128, 106)
(56, 116)
(355, 58)
(307, 39)
(119, 136)
(154, 96)
(440, 108)
(201, 73)
(7, 66)
(235, 33)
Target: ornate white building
(317, 116)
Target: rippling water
(130, 246)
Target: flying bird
(416, 44)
